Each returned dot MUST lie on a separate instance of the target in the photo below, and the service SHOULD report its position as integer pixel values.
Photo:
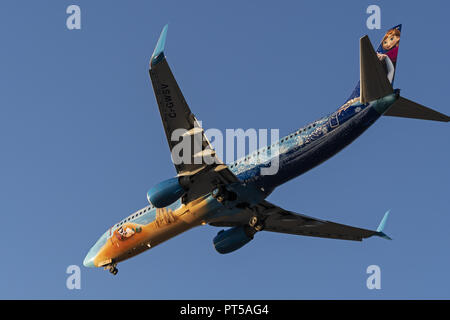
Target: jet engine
(227, 241)
(165, 193)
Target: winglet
(381, 226)
(158, 53)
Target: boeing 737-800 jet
(233, 195)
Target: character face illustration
(128, 232)
(124, 232)
(391, 39)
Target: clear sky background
(82, 141)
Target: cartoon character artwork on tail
(388, 50)
(387, 53)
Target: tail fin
(373, 81)
(377, 74)
(387, 53)
(405, 108)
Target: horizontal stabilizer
(374, 83)
(409, 109)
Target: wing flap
(280, 220)
(324, 229)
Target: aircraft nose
(89, 260)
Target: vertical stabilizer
(387, 53)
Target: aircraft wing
(280, 220)
(284, 221)
(199, 163)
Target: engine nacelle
(165, 193)
(227, 241)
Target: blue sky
(82, 142)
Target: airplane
(234, 195)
